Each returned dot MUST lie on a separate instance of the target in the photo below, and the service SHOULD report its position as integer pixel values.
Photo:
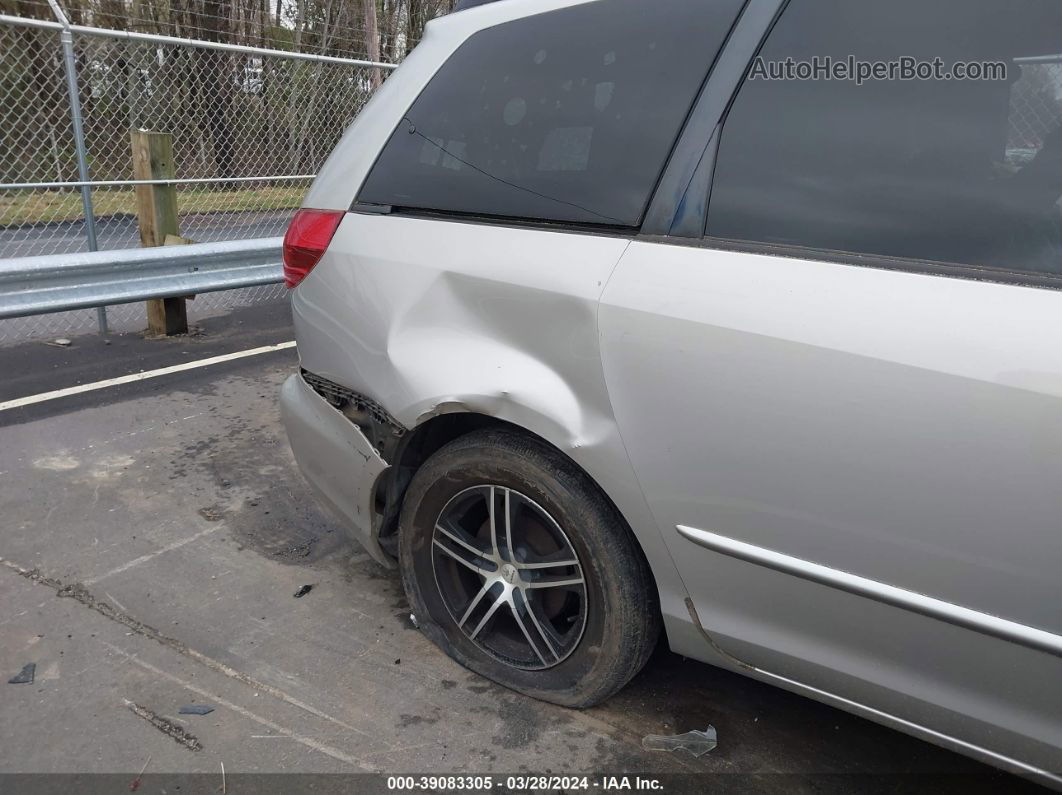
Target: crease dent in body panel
(511, 367)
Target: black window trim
(522, 221)
(515, 221)
(684, 177)
(979, 273)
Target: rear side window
(565, 116)
(925, 166)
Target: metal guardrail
(250, 125)
(38, 285)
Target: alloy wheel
(509, 577)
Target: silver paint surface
(335, 458)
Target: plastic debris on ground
(25, 676)
(303, 590)
(195, 709)
(696, 742)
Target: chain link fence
(250, 128)
(1035, 107)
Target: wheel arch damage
(450, 327)
(442, 423)
(447, 421)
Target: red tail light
(307, 237)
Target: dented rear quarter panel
(429, 318)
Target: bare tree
(372, 41)
(218, 85)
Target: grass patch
(21, 207)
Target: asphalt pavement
(153, 536)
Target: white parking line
(133, 377)
(308, 741)
(145, 558)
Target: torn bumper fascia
(336, 459)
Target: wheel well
(416, 447)
(419, 444)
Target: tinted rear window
(565, 116)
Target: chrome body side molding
(960, 616)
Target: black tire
(615, 602)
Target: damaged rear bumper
(337, 460)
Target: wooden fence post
(156, 208)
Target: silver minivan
(735, 320)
